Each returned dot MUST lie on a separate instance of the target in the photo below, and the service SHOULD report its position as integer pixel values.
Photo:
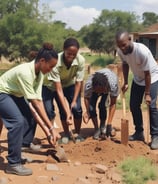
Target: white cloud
(142, 6)
(76, 16)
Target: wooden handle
(124, 106)
(148, 125)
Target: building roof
(152, 28)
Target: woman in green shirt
(18, 85)
(65, 82)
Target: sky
(78, 13)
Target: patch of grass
(103, 61)
(138, 171)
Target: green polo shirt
(21, 81)
(67, 76)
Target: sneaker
(79, 138)
(103, 130)
(154, 143)
(64, 140)
(32, 147)
(137, 136)
(18, 169)
(97, 134)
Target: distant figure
(145, 84)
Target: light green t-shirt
(67, 77)
(21, 81)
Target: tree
(149, 18)
(100, 36)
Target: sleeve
(88, 88)
(114, 87)
(26, 84)
(145, 60)
(54, 75)
(81, 69)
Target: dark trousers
(18, 119)
(101, 106)
(136, 97)
(69, 94)
(48, 97)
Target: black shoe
(154, 143)
(137, 136)
(110, 132)
(18, 169)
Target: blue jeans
(136, 97)
(69, 94)
(48, 97)
(101, 106)
(17, 118)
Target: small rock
(52, 167)
(101, 169)
(77, 163)
(54, 178)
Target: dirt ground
(83, 157)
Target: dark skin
(126, 46)
(70, 54)
(45, 67)
(112, 106)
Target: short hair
(71, 42)
(120, 32)
(99, 79)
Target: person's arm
(63, 102)
(78, 87)
(39, 108)
(86, 115)
(112, 108)
(125, 70)
(147, 87)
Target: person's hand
(86, 117)
(69, 120)
(124, 88)
(53, 137)
(147, 99)
(73, 105)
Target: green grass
(138, 171)
(99, 60)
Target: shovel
(58, 153)
(148, 125)
(124, 124)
